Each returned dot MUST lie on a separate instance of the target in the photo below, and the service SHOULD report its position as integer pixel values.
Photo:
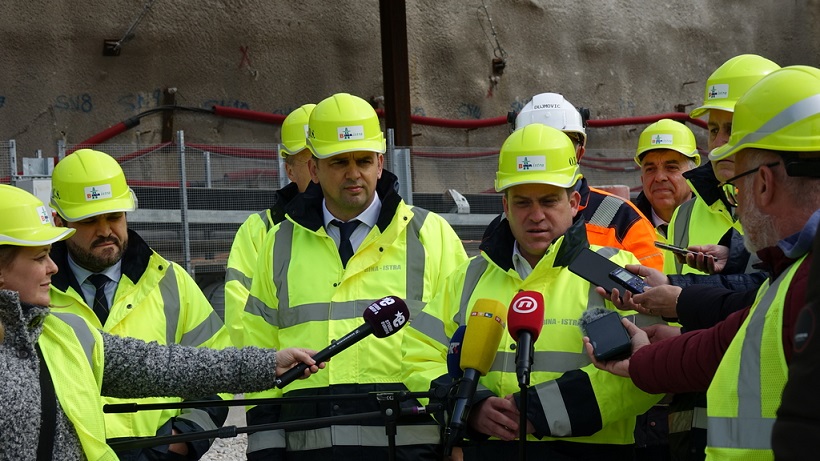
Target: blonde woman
(55, 366)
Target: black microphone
(454, 354)
(382, 318)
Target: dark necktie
(100, 301)
(664, 229)
(345, 231)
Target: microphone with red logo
(524, 322)
(382, 318)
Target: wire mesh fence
(192, 197)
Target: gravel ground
(232, 449)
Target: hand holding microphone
(382, 318)
(485, 327)
(525, 319)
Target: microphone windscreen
(591, 315)
(454, 353)
(526, 314)
(485, 327)
(386, 316)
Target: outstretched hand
(638, 339)
(292, 356)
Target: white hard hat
(553, 110)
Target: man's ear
(58, 220)
(312, 167)
(764, 187)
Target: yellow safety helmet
(667, 134)
(26, 221)
(344, 123)
(733, 78)
(295, 131)
(89, 183)
(537, 154)
(780, 113)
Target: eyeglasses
(730, 190)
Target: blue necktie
(345, 231)
(100, 306)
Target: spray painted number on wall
(141, 101)
(74, 103)
(467, 110)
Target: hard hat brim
(702, 110)
(45, 236)
(505, 181)
(379, 147)
(120, 205)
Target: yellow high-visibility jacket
(302, 296)
(242, 259)
(746, 391)
(156, 300)
(573, 400)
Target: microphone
(454, 354)
(485, 327)
(382, 318)
(525, 319)
(606, 333)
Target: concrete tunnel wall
(618, 58)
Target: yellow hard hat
(26, 221)
(295, 131)
(733, 78)
(537, 154)
(780, 113)
(89, 183)
(667, 134)
(344, 123)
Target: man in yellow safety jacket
(576, 411)
(743, 360)
(251, 234)
(347, 240)
(112, 278)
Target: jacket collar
(134, 262)
(498, 246)
(281, 198)
(306, 208)
(704, 184)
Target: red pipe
(106, 134)
(236, 151)
(645, 120)
(247, 114)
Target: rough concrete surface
(619, 58)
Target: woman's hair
(7, 255)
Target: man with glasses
(742, 360)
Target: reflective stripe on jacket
(573, 398)
(155, 301)
(614, 222)
(73, 348)
(302, 296)
(696, 223)
(242, 259)
(239, 273)
(745, 393)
